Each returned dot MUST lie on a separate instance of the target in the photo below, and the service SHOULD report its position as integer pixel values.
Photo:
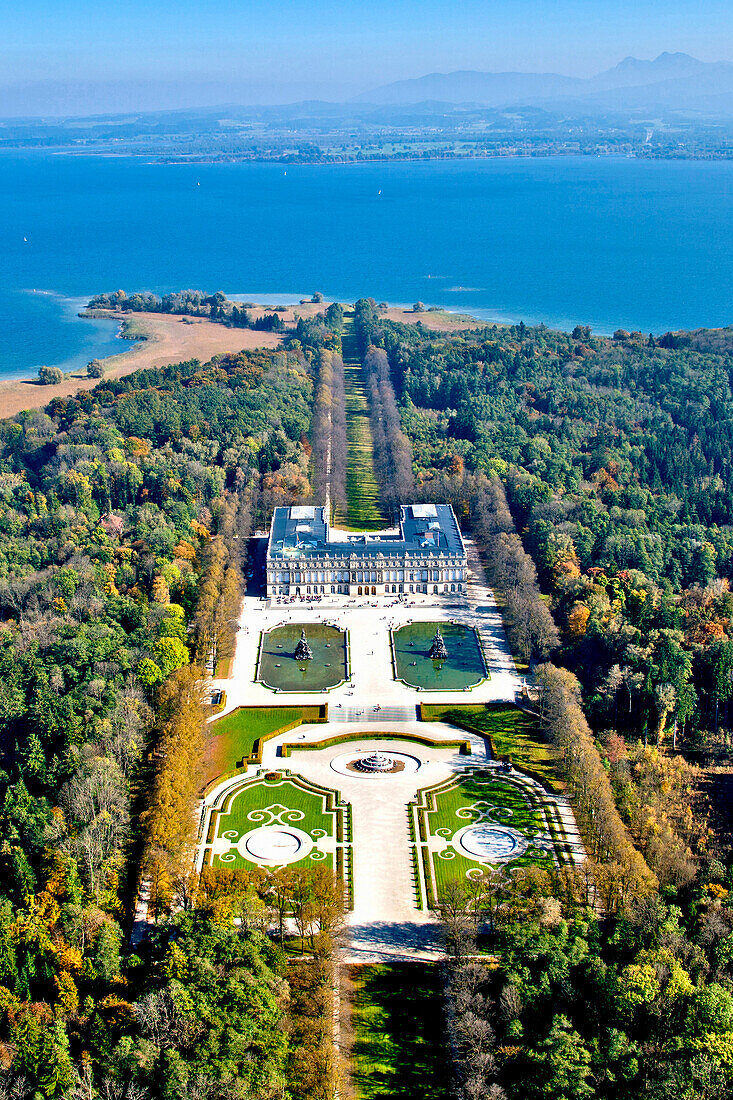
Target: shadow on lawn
(399, 1049)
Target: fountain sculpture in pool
(438, 651)
(375, 762)
(303, 651)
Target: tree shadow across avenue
(398, 1050)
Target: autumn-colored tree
(169, 819)
(530, 626)
(578, 620)
(604, 833)
(658, 798)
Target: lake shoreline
(132, 328)
(509, 152)
(159, 340)
(607, 242)
(557, 241)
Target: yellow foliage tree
(578, 620)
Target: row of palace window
(364, 590)
(359, 576)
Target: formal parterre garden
(278, 669)
(282, 804)
(481, 820)
(463, 668)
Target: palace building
(426, 554)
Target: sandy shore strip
(166, 340)
(172, 339)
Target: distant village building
(425, 554)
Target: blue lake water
(608, 242)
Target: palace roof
(304, 532)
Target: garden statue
(303, 651)
(438, 652)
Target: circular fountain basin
(490, 843)
(271, 844)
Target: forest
(124, 523)
(190, 303)
(593, 474)
(615, 456)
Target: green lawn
(514, 736)
(463, 668)
(261, 802)
(279, 670)
(364, 512)
(234, 737)
(399, 1050)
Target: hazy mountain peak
(671, 80)
(470, 86)
(633, 70)
(664, 59)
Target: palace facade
(306, 557)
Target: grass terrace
(513, 734)
(278, 669)
(239, 735)
(464, 667)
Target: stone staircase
(372, 714)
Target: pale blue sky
(80, 56)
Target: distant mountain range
(674, 105)
(672, 81)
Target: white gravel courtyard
(368, 623)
